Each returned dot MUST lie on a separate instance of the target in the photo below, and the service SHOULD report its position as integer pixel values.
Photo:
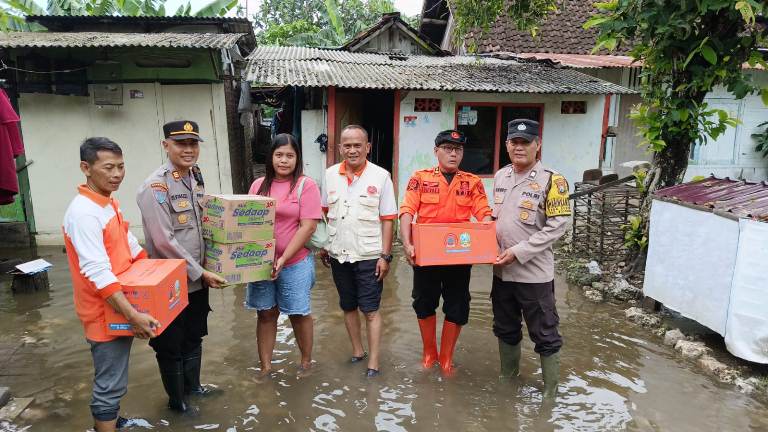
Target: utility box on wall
(108, 94)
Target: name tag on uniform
(532, 195)
(498, 195)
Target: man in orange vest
(99, 246)
(442, 194)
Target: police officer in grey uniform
(171, 211)
(532, 211)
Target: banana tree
(13, 12)
(331, 36)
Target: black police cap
(450, 136)
(181, 130)
(523, 128)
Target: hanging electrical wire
(3, 67)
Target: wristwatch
(387, 258)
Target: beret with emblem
(181, 130)
(450, 136)
(523, 128)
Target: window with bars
(427, 105)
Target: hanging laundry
(11, 146)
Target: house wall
(731, 155)
(570, 142)
(54, 127)
(393, 39)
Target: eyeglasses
(452, 149)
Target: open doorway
(374, 110)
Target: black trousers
(185, 334)
(534, 302)
(450, 282)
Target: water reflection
(614, 376)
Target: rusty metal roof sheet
(316, 67)
(738, 198)
(99, 40)
(584, 60)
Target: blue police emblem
(160, 191)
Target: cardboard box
(455, 243)
(238, 218)
(240, 262)
(153, 286)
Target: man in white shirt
(359, 199)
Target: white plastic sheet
(746, 334)
(691, 259)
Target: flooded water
(614, 376)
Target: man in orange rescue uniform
(442, 194)
(99, 246)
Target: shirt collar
(98, 198)
(535, 170)
(358, 173)
(438, 172)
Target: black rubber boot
(172, 374)
(192, 365)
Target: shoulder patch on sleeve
(413, 184)
(160, 192)
(557, 197)
(480, 188)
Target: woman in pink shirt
(293, 274)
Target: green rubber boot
(550, 372)
(509, 356)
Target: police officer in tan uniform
(531, 209)
(171, 211)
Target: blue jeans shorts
(290, 292)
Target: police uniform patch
(526, 204)
(183, 204)
(534, 186)
(413, 184)
(176, 175)
(532, 195)
(160, 191)
(557, 197)
(183, 218)
(524, 215)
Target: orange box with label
(455, 243)
(154, 286)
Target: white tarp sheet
(691, 258)
(746, 333)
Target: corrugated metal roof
(315, 67)
(735, 197)
(97, 40)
